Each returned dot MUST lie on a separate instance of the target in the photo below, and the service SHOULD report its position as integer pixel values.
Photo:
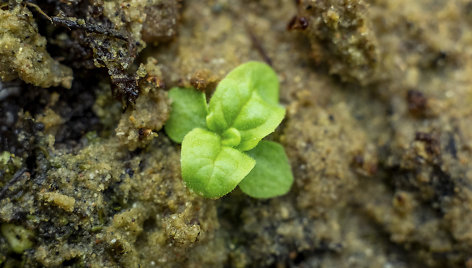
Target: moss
(9, 164)
(4, 157)
(19, 238)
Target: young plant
(222, 144)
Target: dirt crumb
(23, 52)
(342, 30)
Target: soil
(377, 133)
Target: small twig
(39, 10)
(70, 24)
(258, 46)
(12, 181)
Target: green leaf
(209, 168)
(272, 175)
(188, 111)
(260, 77)
(231, 137)
(247, 100)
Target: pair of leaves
(247, 100)
(221, 142)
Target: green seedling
(222, 144)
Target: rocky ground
(378, 96)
